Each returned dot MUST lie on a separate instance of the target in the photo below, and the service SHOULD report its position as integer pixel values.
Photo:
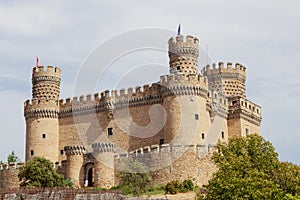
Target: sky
(262, 35)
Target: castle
(171, 126)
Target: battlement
(41, 108)
(221, 69)
(48, 71)
(40, 103)
(174, 149)
(236, 103)
(179, 45)
(75, 150)
(103, 147)
(180, 78)
(11, 166)
(122, 94)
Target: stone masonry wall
(9, 175)
(175, 162)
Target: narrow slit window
(43, 135)
(203, 136)
(196, 116)
(31, 152)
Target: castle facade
(170, 126)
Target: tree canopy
(249, 169)
(39, 172)
(12, 157)
(134, 177)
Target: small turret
(74, 162)
(229, 80)
(183, 55)
(104, 164)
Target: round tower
(74, 164)
(184, 94)
(104, 164)
(41, 114)
(183, 55)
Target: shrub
(174, 187)
(188, 184)
(170, 188)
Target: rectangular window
(161, 141)
(203, 136)
(110, 131)
(61, 152)
(44, 135)
(31, 152)
(196, 117)
(223, 136)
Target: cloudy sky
(262, 35)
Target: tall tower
(41, 114)
(184, 93)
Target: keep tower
(41, 114)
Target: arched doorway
(89, 174)
(90, 177)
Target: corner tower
(228, 80)
(41, 114)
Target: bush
(188, 184)
(116, 187)
(68, 183)
(170, 188)
(174, 187)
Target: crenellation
(75, 150)
(36, 103)
(218, 69)
(104, 147)
(165, 148)
(130, 91)
(11, 166)
(49, 70)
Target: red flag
(37, 62)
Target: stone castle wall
(172, 162)
(9, 175)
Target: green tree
(288, 177)
(12, 157)
(39, 172)
(249, 169)
(135, 177)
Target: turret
(183, 55)
(229, 79)
(104, 164)
(41, 114)
(74, 162)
